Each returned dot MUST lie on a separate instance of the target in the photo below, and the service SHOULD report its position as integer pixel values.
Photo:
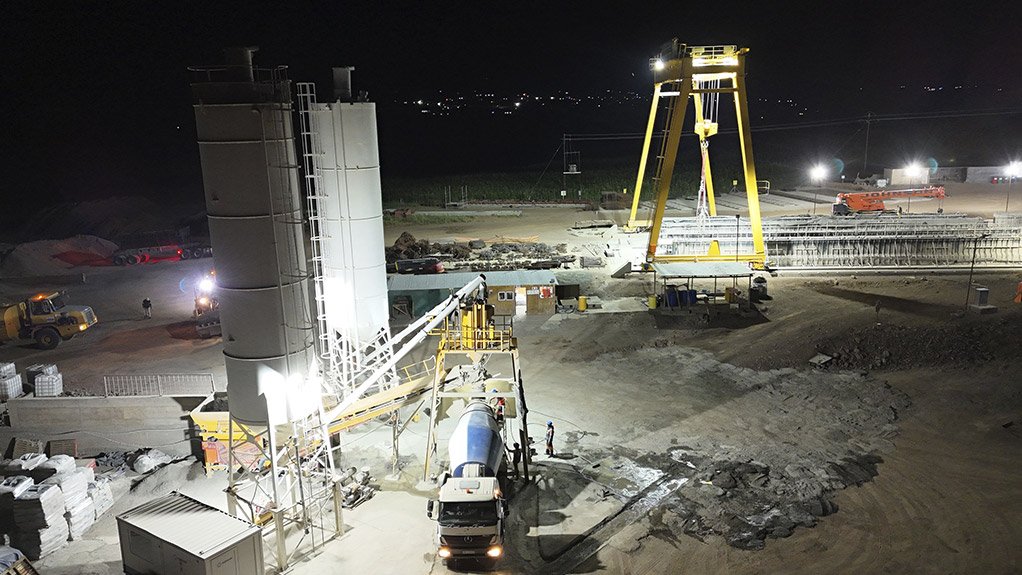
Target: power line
(867, 119)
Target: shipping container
(179, 535)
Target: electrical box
(179, 535)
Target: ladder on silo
(326, 341)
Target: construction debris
(145, 461)
(820, 360)
(589, 224)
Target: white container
(7, 369)
(49, 385)
(10, 387)
(178, 535)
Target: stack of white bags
(40, 527)
(24, 464)
(79, 511)
(102, 495)
(11, 488)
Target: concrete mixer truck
(470, 507)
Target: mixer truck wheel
(47, 338)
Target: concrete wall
(105, 423)
(984, 174)
(898, 177)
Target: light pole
(738, 227)
(817, 174)
(968, 286)
(1013, 171)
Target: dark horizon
(99, 99)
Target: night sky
(98, 104)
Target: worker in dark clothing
(147, 308)
(516, 458)
(550, 438)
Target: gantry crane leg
(748, 164)
(632, 222)
(673, 136)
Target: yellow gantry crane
(679, 73)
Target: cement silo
(350, 204)
(253, 200)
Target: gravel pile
(43, 257)
(954, 344)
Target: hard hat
(549, 423)
(494, 390)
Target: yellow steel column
(667, 167)
(645, 153)
(704, 150)
(745, 137)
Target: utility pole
(865, 153)
(1007, 195)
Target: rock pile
(953, 344)
(406, 247)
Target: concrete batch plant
(278, 374)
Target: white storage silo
(354, 264)
(249, 172)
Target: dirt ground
(656, 416)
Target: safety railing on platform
(158, 384)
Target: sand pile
(49, 257)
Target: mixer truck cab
(46, 318)
(470, 507)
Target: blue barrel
(692, 297)
(672, 296)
